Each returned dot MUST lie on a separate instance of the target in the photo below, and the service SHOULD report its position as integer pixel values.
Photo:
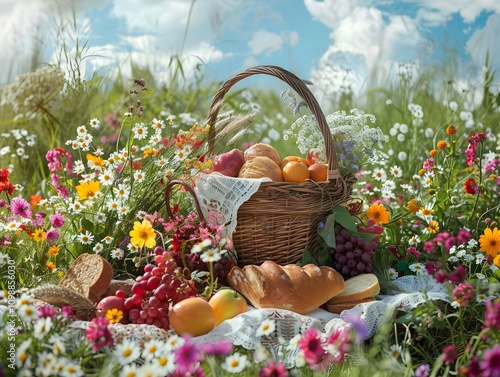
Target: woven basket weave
(281, 219)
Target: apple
(227, 304)
(314, 156)
(229, 163)
(112, 302)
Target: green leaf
(344, 218)
(307, 258)
(325, 258)
(87, 225)
(402, 265)
(328, 231)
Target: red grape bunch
(163, 284)
(353, 254)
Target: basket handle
(297, 85)
(168, 190)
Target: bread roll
(290, 287)
(261, 167)
(262, 150)
(89, 275)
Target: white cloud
(444, 9)
(485, 41)
(265, 41)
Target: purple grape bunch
(353, 254)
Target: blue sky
(316, 39)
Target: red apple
(227, 304)
(229, 163)
(112, 302)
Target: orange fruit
(193, 316)
(287, 159)
(318, 172)
(295, 171)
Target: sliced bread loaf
(357, 288)
(89, 276)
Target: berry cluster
(163, 284)
(353, 254)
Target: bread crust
(261, 149)
(290, 287)
(340, 307)
(260, 167)
(89, 275)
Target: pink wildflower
(98, 333)
(450, 354)
(464, 294)
(310, 344)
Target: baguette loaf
(357, 288)
(290, 287)
(89, 275)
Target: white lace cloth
(225, 195)
(242, 330)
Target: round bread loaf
(261, 167)
(262, 150)
(290, 287)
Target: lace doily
(414, 290)
(224, 195)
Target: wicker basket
(281, 219)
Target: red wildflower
(471, 186)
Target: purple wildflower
(423, 370)
(20, 207)
(186, 357)
(490, 365)
(52, 236)
(57, 220)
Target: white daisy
(155, 139)
(139, 176)
(235, 363)
(78, 167)
(140, 131)
(127, 352)
(392, 273)
(157, 124)
(72, 369)
(164, 363)
(211, 255)
(108, 240)
(117, 253)
(4, 258)
(58, 345)
(100, 218)
(129, 370)
(151, 349)
(133, 248)
(76, 207)
(42, 327)
(106, 177)
(141, 215)
(396, 171)
(395, 351)
(379, 174)
(98, 248)
(163, 161)
(85, 238)
(95, 123)
(414, 240)
(22, 353)
(113, 205)
(173, 342)
(417, 267)
(28, 313)
(267, 327)
(81, 131)
(46, 365)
